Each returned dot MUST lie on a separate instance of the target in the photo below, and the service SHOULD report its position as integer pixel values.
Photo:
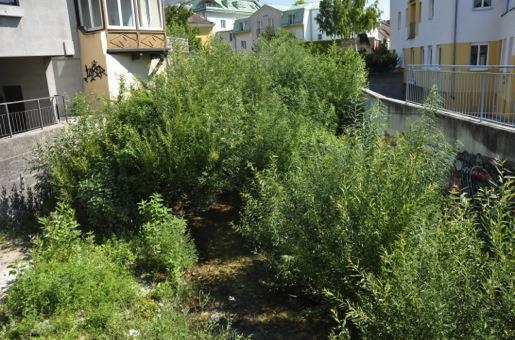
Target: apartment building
(61, 47)
(223, 13)
(465, 48)
(453, 32)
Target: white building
(223, 13)
(458, 32)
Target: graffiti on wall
(93, 72)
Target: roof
(198, 20)
(245, 6)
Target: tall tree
(347, 18)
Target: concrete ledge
(476, 136)
(11, 11)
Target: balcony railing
(482, 92)
(25, 115)
(412, 30)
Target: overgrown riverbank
(356, 227)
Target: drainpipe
(454, 47)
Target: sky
(384, 5)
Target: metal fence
(25, 115)
(483, 92)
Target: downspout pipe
(454, 46)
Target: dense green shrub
(443, 279)
(187, 137)
(345, 200)
(381, 59)
(166, 244)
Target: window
(222, 23)
(439, 55)
(319, 36)
(9, 2)
(291, 19)
(431, 9)
(90, 15)
(420, 12)
(258, 29)
(150, 14)
(430, 55)
(422, 55)
(230, 36)
(120, 13)
(478, 54)
(270, 22)
(482, 3)
(399, 19)
(244, 44)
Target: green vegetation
(381, 59)
(347, 18)
(339, 208)
(177, 26)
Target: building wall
(121, 67)
(216, 18)
(43, 29)
(474, 26)
(205, 34)
(92, 47)
(263, 14)
(297, 31)
(239, 37)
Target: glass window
(291, 19)
(431, 9)
(120, 13)
(222, 23)
(9, 2)
(150, 13)
(482, 3)
(399, 19)
(478, 55)
(90, 14)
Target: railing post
(64, 110)
(8, 120)
(482, 86)
(40, 115)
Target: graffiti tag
(94, 71)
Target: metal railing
(25, 115)
(483, 92)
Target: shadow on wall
(9, 22)
(19, 210)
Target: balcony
(412, 30)
(130, 25)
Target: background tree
(347, 18)
(177, 25)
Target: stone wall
(16, 153)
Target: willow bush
(197, 129)
(345, 199)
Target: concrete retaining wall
(16, 153)
(476, 136)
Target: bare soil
(241, 287)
